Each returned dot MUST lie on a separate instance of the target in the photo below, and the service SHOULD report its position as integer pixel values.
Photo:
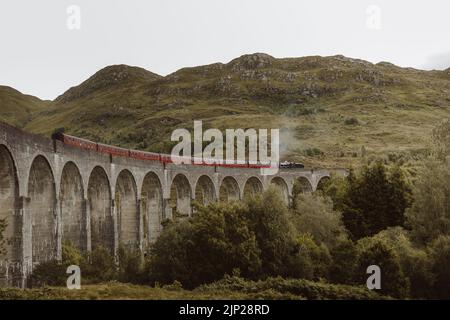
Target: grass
(229, 288)
(121, 291)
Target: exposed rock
(107, 77)
(251, 61)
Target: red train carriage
(75, 141)
(166, 158)
(142, 155)
(115, 151)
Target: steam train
(143, 155)
(291, 165)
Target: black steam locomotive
(291, 165)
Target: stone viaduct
(51, 192)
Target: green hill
(328, 108)
(17, 108)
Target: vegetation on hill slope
(17, 108)
(231, 288)
(329, 109)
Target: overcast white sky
(40, 55)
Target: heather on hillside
(331, 111)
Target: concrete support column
(142, 215)
(167, 210)
(116, 228)
(59, 229)
(87, 227)
(265, 182)
(26, 229)
(140, 226)
(216, 185)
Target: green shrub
(297, 287)
(345, 256)
(317, 256)
(314, 214)
(300, 186)
(100, 266)
(440, 257)
(193, 251)
(256, 237)
(415, 263)
(170, 256)
(97, 266)
(312, 152)
(375, 200)
(429, 215)
(376, 252)
(49, 273)
(53, 272)
(269, 219)
(336, 188)
(131, 265)
(351, 121)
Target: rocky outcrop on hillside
(108, 77)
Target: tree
(130, 265)
(344, 255)
(375, 252)
(414, 262)
(315, 258)
(53, 272)
(99, 266)
(375, 200)
(314, 214)
(169, 259)
(214, 242)
(429, 215)
(440, 257)
(337, 187)
(254, 237)
(268, 218)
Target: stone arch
(99, 204)
(304, 184)
(151, 207)
(72, 206)
(126, 207)
(9, 212)
(42, 205)
(283, 187)
(205, 192)
(322, 183)
(180, 196)
(252, 187)
(229, 190)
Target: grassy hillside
(328, 108)
(17, 108)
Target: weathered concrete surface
(51, 193)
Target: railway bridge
(52, 192)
